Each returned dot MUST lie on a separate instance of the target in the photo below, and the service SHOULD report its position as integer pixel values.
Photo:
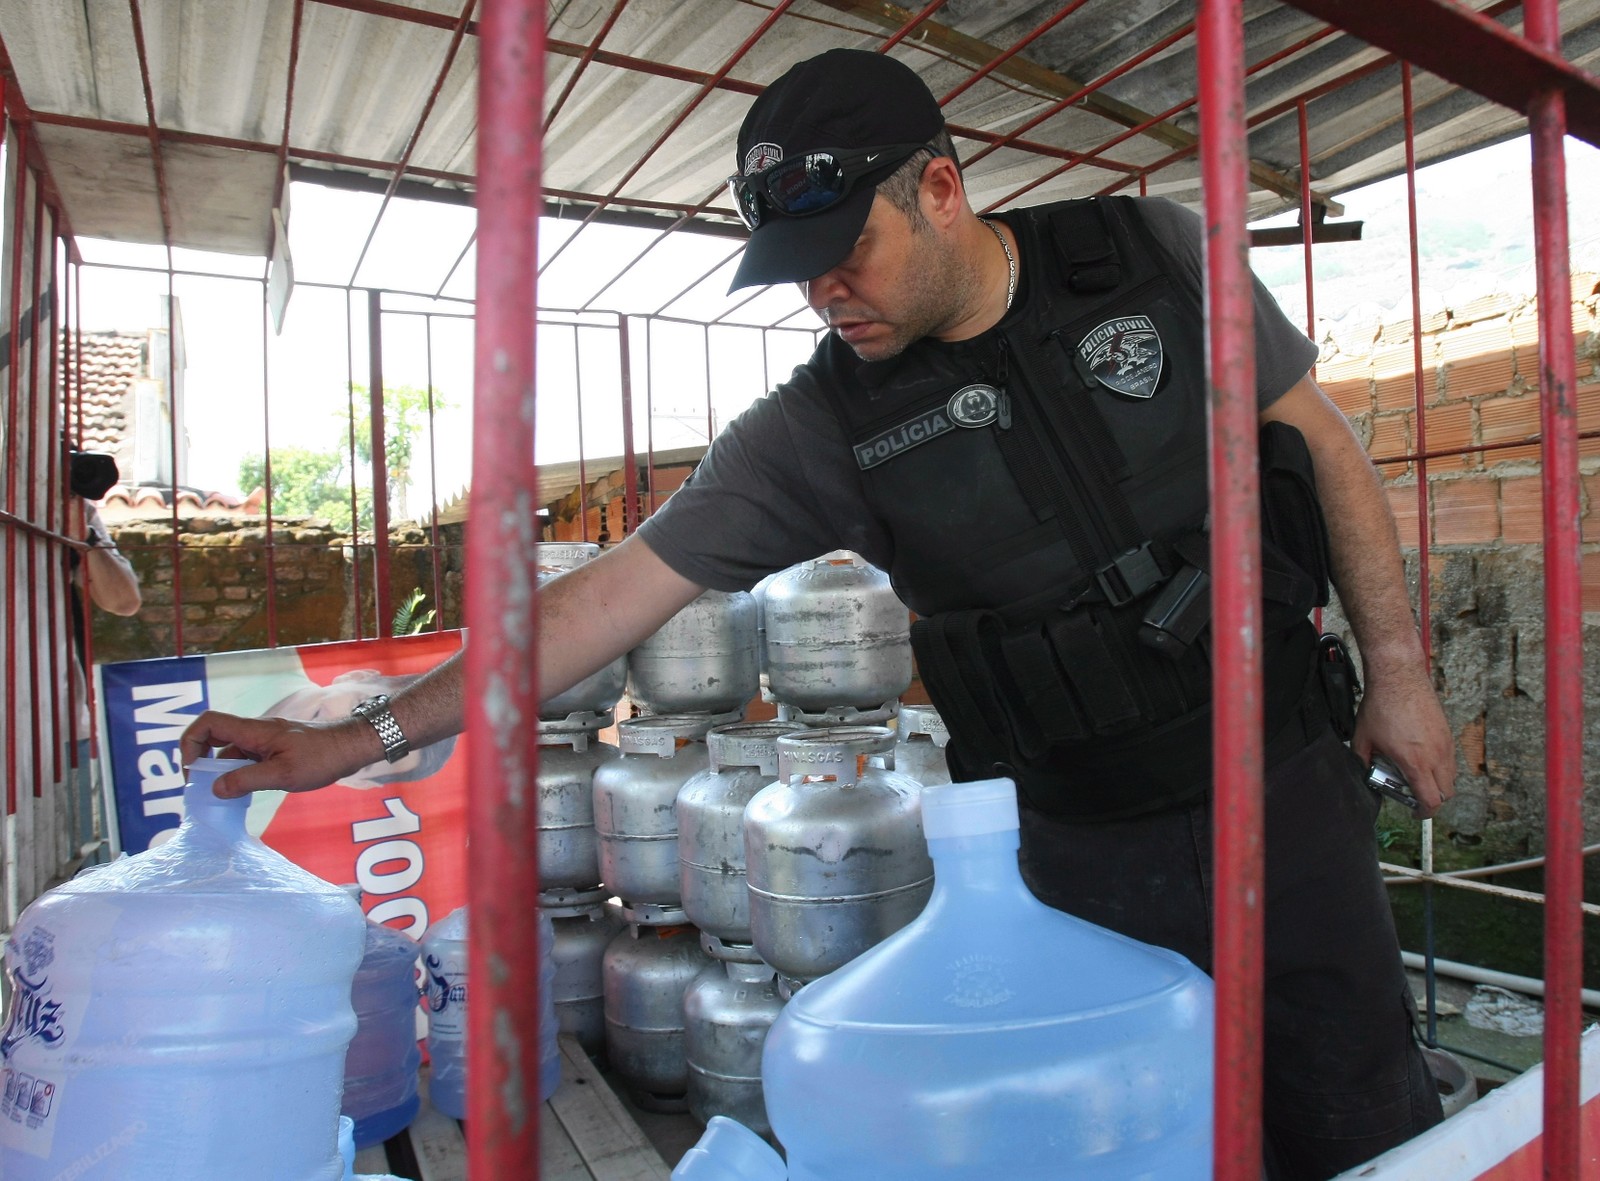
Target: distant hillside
(1475, 237)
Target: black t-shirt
(780, 484)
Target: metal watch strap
(376, 711)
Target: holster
(1341, 688)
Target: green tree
(315, 482)
(306, 482)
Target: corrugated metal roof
(219, 75)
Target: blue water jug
(182, 1013)
(994, 1037)
(380, 1068)
(444, 983)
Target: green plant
(407, 622)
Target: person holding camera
(94, 565)
(1009, 415)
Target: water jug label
(35, 1015)
(447, 998)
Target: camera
(90, 474)
(1384, 778)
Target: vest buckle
(1129, 575)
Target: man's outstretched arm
(587, 618)
(1400, 713)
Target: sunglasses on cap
(811, 183)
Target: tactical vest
(1046, 491)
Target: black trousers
(1343, 1077)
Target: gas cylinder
(834, 851)
(601, 690)
(633, 805)
(583, 926)
(919, 742)
(702, 660)
(647, 968)
(710, 810)
(836, 635)
(727, 1012)
(570, 753)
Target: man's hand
(291, 756)
(1400, 717)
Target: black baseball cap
(844, 98)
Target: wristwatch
(376, 711)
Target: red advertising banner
(399, 831)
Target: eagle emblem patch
(1124, 355)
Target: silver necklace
(1011, 262)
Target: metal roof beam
(1470, 50)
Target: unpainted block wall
(1481, 386)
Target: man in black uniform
(1009, 416)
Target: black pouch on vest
(1291, 515)
(1340, 685)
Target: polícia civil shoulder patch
(1124, 355)
(971, 406)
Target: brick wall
(1480, 386)
(223, 586)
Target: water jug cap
(969, 809)
(729, 1151)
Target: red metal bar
(1236, 569)
(55, 558)
(583, 63)
(1424, 533)
(583, 469)
(16, 109)
(13, 458)
(271, 549)
(502, 661)
(30, 551)
(399, 12)
(630, 470)
(433, 488)
(1548, 123)
(172, 423)
(350, 423)
(649, 417)
(63, 520)
(416, 136)
(677, 121)
(88, 632)
(1473, 51)
(382, 592)
(283, 144)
